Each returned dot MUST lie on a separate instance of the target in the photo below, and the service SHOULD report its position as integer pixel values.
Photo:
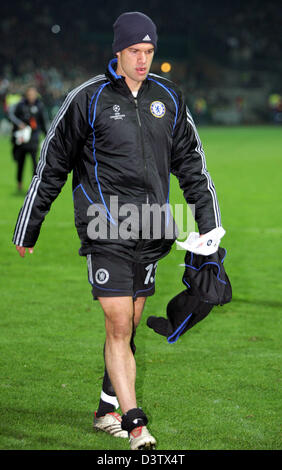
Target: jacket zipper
(143, 153)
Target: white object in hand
(23, 135)
(205, 245)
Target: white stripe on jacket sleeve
(199, 149)
(23, 219)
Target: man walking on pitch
(121, 134)
(28, 119)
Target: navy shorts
(113, 276)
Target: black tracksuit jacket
(116, 145)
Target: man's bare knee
(118, 330)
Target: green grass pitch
(217, 387)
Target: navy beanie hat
(133, 28)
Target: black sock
(108, 400)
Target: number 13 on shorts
(151, 273)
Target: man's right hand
(21, 250)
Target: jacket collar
(119, 81)
(111, 70)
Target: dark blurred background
(225, 55)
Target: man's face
(135, 61)
(31, 95)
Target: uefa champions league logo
(117, 115)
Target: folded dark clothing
(206, 279)
(207, 284)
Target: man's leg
(139, 305)
(20, 155)
(121, 367)
(108, 401)
(122, 316)
(120, 362)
